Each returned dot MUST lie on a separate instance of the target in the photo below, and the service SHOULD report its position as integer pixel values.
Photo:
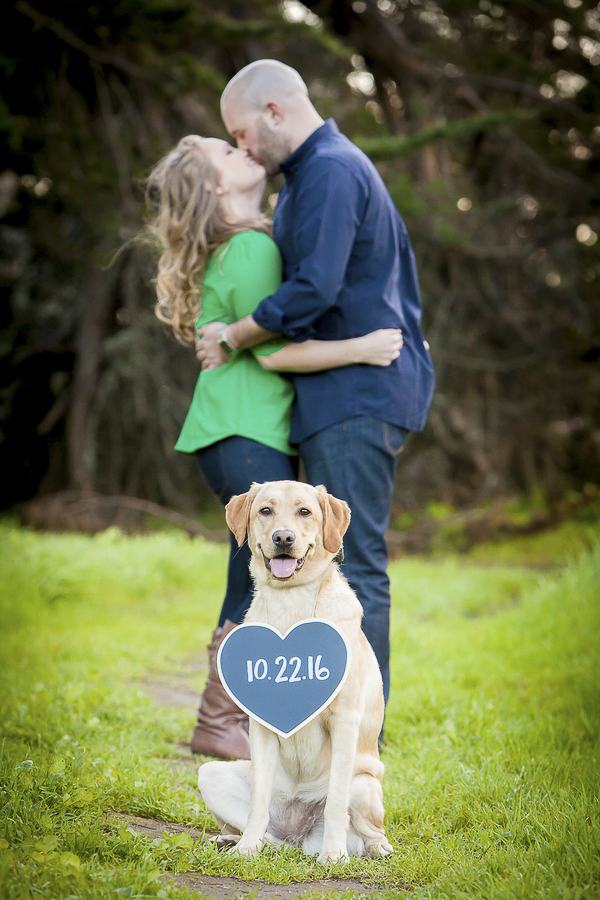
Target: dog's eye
(265, 511)
(305, 512)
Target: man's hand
(241, 334)
(209, 352)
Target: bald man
(348, 269)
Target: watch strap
(223, 341)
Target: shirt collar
(290, 165)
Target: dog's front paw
(383, 848)
(245, 849)
(335, 855)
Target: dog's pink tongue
(283, 567)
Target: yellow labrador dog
(320, 788)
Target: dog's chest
(281, 609)
(305, 760)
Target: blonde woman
(218, 262)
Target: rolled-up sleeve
(327, 206)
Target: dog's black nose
(283, 539)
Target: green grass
(492, 732)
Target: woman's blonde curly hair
(189, 224)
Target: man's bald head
(262, 82)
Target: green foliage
(385, 148)
(529, 531)
(13, 127)
(547, 547)
(492, 741)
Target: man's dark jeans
(356, 461)
(229, 467)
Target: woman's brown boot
(222, 727)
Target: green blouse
(240, 397)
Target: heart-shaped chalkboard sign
(284, 681)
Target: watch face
(223, 342)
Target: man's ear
(336, 518)
(273, 112)
(237, 513)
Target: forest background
(483, 119)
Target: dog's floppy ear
(237, 512)
(336, 518)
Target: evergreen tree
(482, 118)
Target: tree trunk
(97, 301)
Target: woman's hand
(379, 348)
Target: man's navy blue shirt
(348, 269)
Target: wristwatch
(224, 343)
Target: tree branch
(61, 31)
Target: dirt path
(224, 887)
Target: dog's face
(293, 528)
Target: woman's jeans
(229, 467)
(356, 461)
